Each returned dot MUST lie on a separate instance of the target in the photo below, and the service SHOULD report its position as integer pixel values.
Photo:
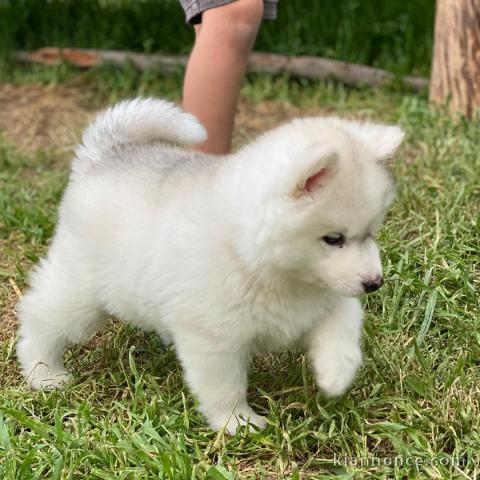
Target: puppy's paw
(335, 368)
(238, 418)
(43, 377)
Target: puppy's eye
(334, 239)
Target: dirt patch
(42, 117)
(9, 294)
(52, 117)
(255, 118)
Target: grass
(128, 415)
(393, 34)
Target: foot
(238, 418)
(41, 376)
(335, 367)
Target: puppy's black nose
(373, 285)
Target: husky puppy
(225, 256)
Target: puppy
(225, 256)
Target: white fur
(142, 120)
(222, 255)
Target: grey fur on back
(161, 161)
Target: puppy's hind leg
(56, 311)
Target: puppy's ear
(316, 165)
(382, 140)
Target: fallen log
(301, 66)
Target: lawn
(128, 413)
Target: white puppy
(225, 256)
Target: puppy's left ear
(382, 140)
(316, 165)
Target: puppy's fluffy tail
(139, 121)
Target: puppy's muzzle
(373, 285)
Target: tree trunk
(456, 57)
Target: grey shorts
(195, 8)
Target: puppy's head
(328, 192)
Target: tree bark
(456, 59)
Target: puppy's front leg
(217, 375)
(334, 347)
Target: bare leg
(216, 68)
(334, 347)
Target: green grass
(394, 34)
(128, 414)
